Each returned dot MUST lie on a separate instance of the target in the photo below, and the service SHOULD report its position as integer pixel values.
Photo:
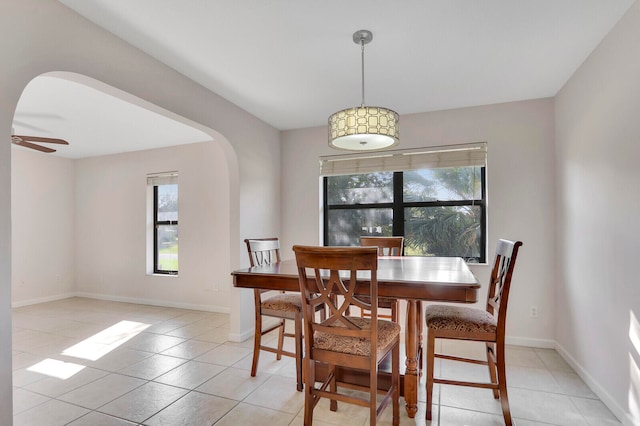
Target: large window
(165, 224)
(440, 210)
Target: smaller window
(165, 223)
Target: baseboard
(618, 411)
(530, 342)
(154, 302)
(240, 337)
(41, 300)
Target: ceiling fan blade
(42, 139)
(32, 146)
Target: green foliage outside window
(440, 212)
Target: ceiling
(293, 63)
(92, 121)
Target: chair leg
(257, 341)
(373, 393)
(431, 346)
(492, 367)
(395, 377)
(298, 346)
(333, 387)
(283, 324)
(309, 400)
(502, 385)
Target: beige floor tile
(267, 363)
(25, 377)
(143, 402)
(23, 360)
(572, 384)
(450, 416)
(224, 355)
(278, 393)
(247, 414)
(24, 400)
(539, 379)
(553, 361)
(120, 358)
(99, 419)
(195, 408)
(153, 366)
(51, 413)
(190, 375)
(595, 412)
(347, 414)
(155, 343)
(190, 331)
(54, 387)
(522, 357)
(216, 335)
(190, 349)
(233, 384)
(102, 391)
(469, 399)
(544, 407)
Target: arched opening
(79, 221)
(68, 225)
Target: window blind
(464, 155)
(166, 178)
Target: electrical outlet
(533, 311)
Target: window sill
(164, 275)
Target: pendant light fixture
(363, 128)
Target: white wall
(598, 154)
(521, 194)
(111, 228)
(42, 241)
(40, 36)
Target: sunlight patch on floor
(55, 368)
(100, 344)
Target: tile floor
(180, 370)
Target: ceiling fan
(26, 141)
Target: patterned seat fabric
(387, 331)
(283, 302)
(459, 318)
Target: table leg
(412, 340)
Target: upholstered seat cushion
(387, 331)
(290, 302)
(459, 318)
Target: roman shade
(166, 178)
(463, 155)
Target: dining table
(411, 278)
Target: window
(165, 223)
(437, 200)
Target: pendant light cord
(362, 54)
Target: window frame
(156, 226)
(398, 206)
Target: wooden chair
(480, 325)
(284, 306)
(342, 340)
(387, 246)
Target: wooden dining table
(411, 278)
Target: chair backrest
(387, 246)
(263, 251)
(326, 272)
(500, 281)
